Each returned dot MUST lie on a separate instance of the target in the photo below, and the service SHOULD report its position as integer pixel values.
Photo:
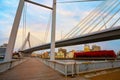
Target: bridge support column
(12, 39)
(52, 55)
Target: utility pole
(13, 35)
(52, 56)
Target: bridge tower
(13, 35)
(52, 56)
(25, 42)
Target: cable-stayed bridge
(102, 24)
(99, 25)
(105, 35)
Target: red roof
(103, 53)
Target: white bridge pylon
(13, 35)
(25, 42)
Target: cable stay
(95, 18)
(110, 18)
(114, 7)
(115, 22)
(99, 20)
(85, 20)
(80, 1)
(104, 17)
(24, 41)
(89, 20)
(47, 29)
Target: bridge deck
(33, 69)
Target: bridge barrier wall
(4, 66)
(95, 66)
(62, 67)
(77, 67)
(66, 68)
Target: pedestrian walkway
(33, 69)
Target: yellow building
(45, 55)
(70, 54)
(86, 48)
(61, 53)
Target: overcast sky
(37, 18)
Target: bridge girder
(105, 35)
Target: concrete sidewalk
(33, 69)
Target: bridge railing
(4, 66)
(77, 67)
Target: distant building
(70, 54)
(2, 51)
(45, 55)
(86, 48)
(96, 48)
(61, 53)
(4, 45)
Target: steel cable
(104, 17)
(105, 9)
(87, 18)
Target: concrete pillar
(52, 55)
(12, 39)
